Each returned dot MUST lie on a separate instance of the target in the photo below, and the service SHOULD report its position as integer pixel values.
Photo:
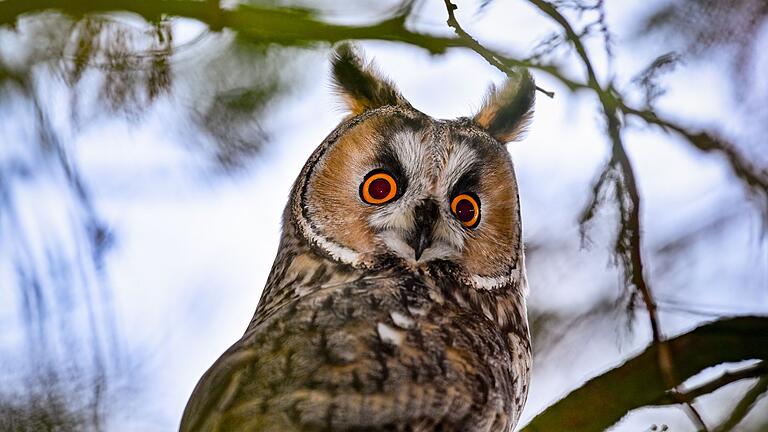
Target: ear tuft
(359, 83)
(507, 111)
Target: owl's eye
(466, 208)
(379, 187)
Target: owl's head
(391, 183)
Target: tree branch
(638, 381)
(725, 379)
(756, 179)
(286, 26)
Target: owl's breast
(377, 354)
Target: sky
(193, 248)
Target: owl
(396, 301)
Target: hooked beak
(425, 215)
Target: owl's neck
(300, 271)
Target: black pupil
(465, 211)
(379, 188)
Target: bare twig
(572, 36)
(756, 179)
(726, 378)
(488, 55)
(745, 405)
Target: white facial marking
(460, 160)
(412, 153)
(337, 251)
(396, 220)
(451, 235)
(395, 243)
(440, 250)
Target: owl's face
(392, 183)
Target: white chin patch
(438, 250)
(396, 244)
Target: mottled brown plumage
(391, 317)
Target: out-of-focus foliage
(52, 403)
(119, 58)
(705, 25)
(110, 66)
(730, 34)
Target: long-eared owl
(396, 301)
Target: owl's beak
(425, 215)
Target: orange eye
(466, 208)
(378, 188)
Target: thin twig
(632, 227)
(706, 142)
(726, 378)
(487, 54)
(572, 36)
(745, 405)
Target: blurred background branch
(639, 381)
(296, 26)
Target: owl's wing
(208, 402)
(366, 358)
